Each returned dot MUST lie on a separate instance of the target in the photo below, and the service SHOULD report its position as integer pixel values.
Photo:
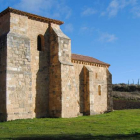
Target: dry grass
(127, 95)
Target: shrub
(125, 88)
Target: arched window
(40, 43)
(99, 89)
(96, 75)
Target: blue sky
(108, 30)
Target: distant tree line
(126, 87)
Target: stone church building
(40, 77)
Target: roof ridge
(30, 15)
(89, 59)
(85, 55)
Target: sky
(108, 30)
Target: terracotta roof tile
(88, 59)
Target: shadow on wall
(42, 80)
(81, 89)
(3, 109)
(84, 91)
(79, 137)
(3, 59)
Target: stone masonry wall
(39, 60)
(70, 107)
(88, 92)
(39, 67)
(63, 89)
(70, 100)
(19, 77)
(55, 95)
(120, 104)
(109, 90)
(4, 24)
(4, 29)
(98, 103)
(3, 54)
(45, 83)
(19, 24)
(86, 96)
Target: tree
(128, 82)
(138, 82)
(133, 81)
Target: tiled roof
(87, 59)
(31, 16)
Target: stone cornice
(89, 63)
(31, 16)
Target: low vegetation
(126, 88)
(127, 92)
(123, 124)
(126, 95)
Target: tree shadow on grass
(135, 136)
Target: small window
(40, 43)
(99, 90)
(96, 75)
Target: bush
(132, 88)
(125, 88)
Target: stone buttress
(3, 54)
(63, 95)
(19, 77)
(4, 29)
(16, 81)
(109, 92)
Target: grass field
(124, 124)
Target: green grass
(124, 124)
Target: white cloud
(136, 11)
(133, 2)
(116, 5)
(51, 8)
(86, 29)
(106, 37)
(56, 15)
(63, 9)
(102, 36)
(68, 27)
(88, 11)
(35, 6)
(113, 8)
(124, 3)
(103, 13)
